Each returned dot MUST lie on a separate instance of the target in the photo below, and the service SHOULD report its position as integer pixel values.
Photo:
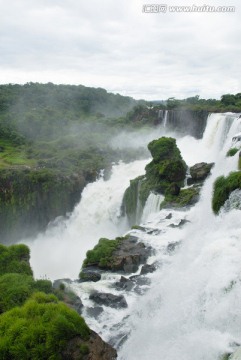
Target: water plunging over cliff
(192, 310)
(61, 250)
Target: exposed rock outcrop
(199, 172)
(108, 299)
(93, 349)
(122, 254)
(165, 174)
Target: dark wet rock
(140, 280)
(124, 284)
(172, 246)
(71, 300)
(94, 311)
(107, 299)
(90, 275)
(92, 349)
(153, 231)
(130, 255)
(77, 305)
(174, 189)
(180, 224)
(147, 269)
(169, 216)
(199, 172)
(61, 282)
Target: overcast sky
(113, 44)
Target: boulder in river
(108, 299)
(199, 172)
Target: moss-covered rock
(122, 254)
(223, 187)
(164, 173)
(232, 152)
(186, 197)
(101, 255)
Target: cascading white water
(152, 205)
(61, 250)
(165, 118)
(192, 310)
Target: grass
(14, 155)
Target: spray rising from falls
(61, 250)
(192, 310)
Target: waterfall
(152, 205)
(160, 114)
(165, 118)
(61, 250)
(192, 310)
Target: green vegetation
(228, 102)
(223, 188)
(35, 197)
(15, 259)
(185, 197)
(40, 329)
(167, 169)
(101, 255)
(232, 152)
(54, 139)
(15, 289)
(33, 323)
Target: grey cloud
(115, 46)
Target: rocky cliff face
(31, 198)
(187, 122)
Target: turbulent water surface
(191, 309)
